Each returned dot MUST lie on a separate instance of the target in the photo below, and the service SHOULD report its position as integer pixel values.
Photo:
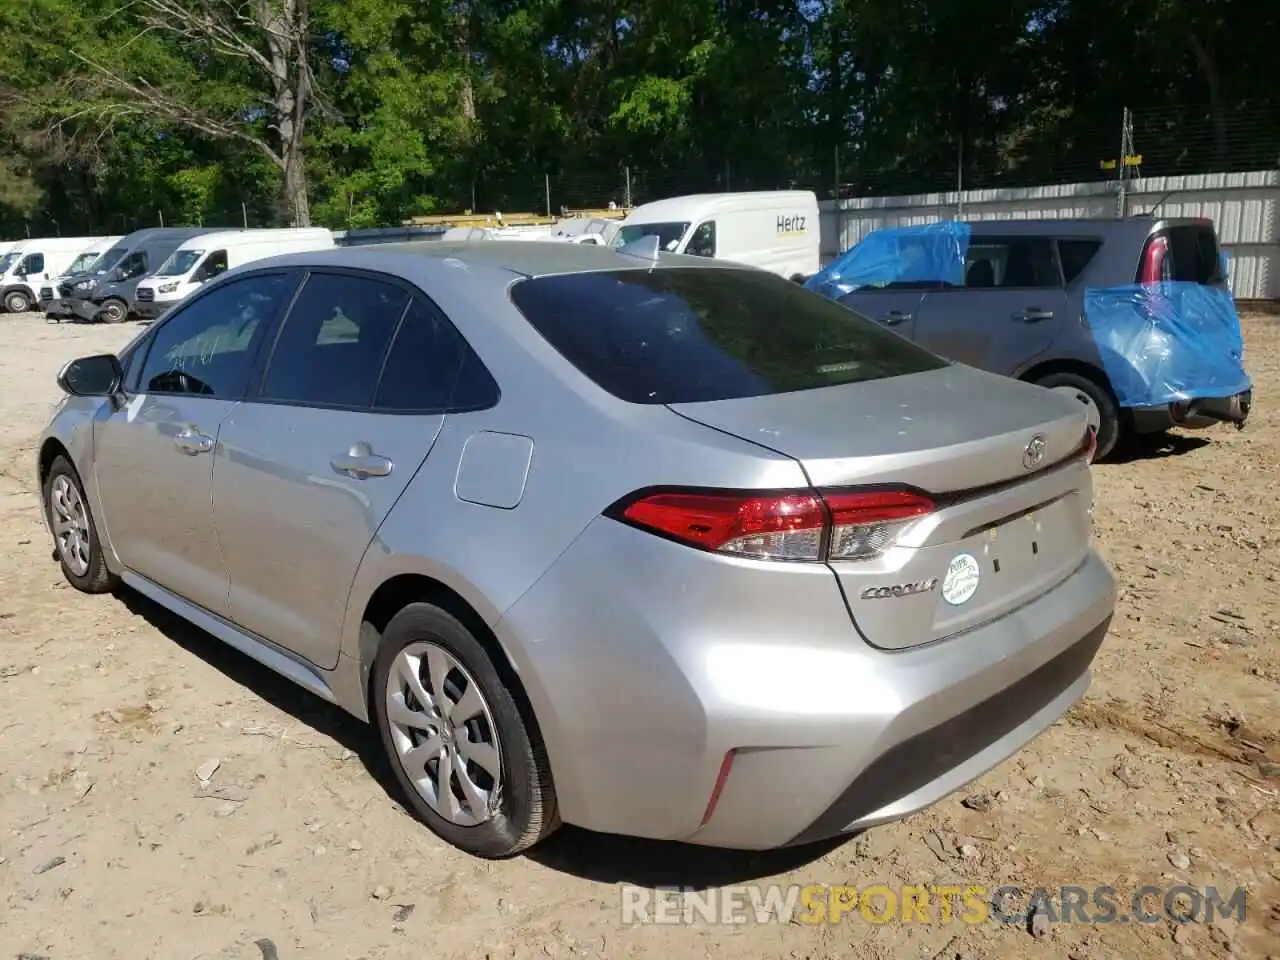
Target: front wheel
(16, 301)
(468, 764)
(113, 311)
(75, 535)
(1101, 409)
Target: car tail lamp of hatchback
(794, 525)
(1154, 261)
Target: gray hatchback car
(1020, 309)
(659, 547)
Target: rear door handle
(1033, 315)
(361, 462)
(895, 317)
(192, 442)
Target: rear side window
(331, 347)
(684, 335)
(431, 368)
(1014, 262)
(1075, 256)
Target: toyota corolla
(648, 544)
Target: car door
(153, 455)
(894, 305)
(309, 466)
(1008, 312)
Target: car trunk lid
(998, 458)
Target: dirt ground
(110, 847)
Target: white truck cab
(772, 230)
(30, 264)
(201, 258)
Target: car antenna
(1159, 203)
(644, 248)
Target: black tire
(96, 578)
(526, 810)
(113, 310)
(1109, 426)
(17, 301)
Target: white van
(773, 230)
(204, 257)
(29, 264)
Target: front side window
(32, 263)
(703, 241)
(214, 265)
(701, 333)
(134, 265)
(1013, 263)
(330, 350)
(207, 348)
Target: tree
(236, 70)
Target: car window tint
(1194, 252)
(33, 263)
(207, 347)
(330, 349)
(698, 333)
(1016, 262)
(431, 367)
(1075, 256)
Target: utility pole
(547, 180)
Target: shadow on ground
(1158, 446)
(602, 858)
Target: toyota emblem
(1034, 454)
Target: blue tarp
(1163, 342)
(933, 252)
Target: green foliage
(114, 113)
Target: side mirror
(97, 376)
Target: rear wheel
(75, 536)
(1100, 406)
(113, 311)
(468, 764)
(16, 301)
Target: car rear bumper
(1194, 414)
(687, 657)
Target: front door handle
(191, 442)
(361, 462)
(895, 317)
(1033, 315)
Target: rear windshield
(686, 334)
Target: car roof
(1081, 226)
(528, 259)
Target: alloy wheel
(444, 735)
(70, 525)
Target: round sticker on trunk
(961, 581)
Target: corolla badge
(961, 579)
(1033, 455)
(899, 589)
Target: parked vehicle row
(146, 272)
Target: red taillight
(793, 525)
(725, 766)
(1089, 447)
(1153, 259)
